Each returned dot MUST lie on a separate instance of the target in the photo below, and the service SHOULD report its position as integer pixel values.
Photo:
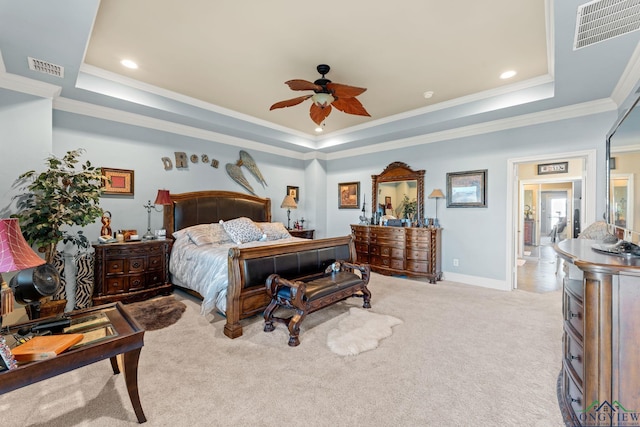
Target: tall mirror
(623, 190)
(399, 191)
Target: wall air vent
(602, 20)
(46, 67)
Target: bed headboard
(205, 207)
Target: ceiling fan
(327, 94)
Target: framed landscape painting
(467, 189)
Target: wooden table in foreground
(126, 339)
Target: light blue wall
(25, 140)
(475, 236)
(121, 146)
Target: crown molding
(556, 114)
(114, 115)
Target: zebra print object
(58, 263)
(84, 280)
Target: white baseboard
(484, 282)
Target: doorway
(541, 206)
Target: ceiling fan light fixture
(322, 99)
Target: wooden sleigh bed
(248, 268)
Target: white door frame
(588, 215)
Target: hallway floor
(539, 275)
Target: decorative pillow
(193, 229)
(242, 230)
(218, 235)
(200, 235)
(274, 230)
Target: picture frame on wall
(118, 182)
(551, 168)
(467, 189)
(293, 191)
(349, 195)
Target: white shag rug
(360, 331)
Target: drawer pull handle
(573, 400)
(572, 357)
(572, 314)
(136, 264)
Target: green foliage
(62, 195)
(409, 207)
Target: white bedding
(204, 269)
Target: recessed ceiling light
(319, 129)
(428, 94)
(507, 74)
(129, 64)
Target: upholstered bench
(338, 282)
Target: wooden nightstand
(305, 234)
(131, 271)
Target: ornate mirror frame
(396, 172)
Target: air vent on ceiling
(46, 67)
(602, 20)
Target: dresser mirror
(623, 190)
(396, 185)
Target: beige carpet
(463, 356)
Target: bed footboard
(249, 268)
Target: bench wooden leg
(268, 316)
(294, 328)
(366, 297)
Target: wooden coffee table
(126, 338)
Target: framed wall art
(549, 168)
(467, 189)
(293, 191)
(349, 195)
(118, 182)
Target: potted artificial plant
(57, 197)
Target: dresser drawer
(574, 314)
(153, 278)
(574, 357)
(136, 265)
(136, 282)
(116, 285)
(362, 247)
(418, 266)
(154, 262)
(387, 251)
(573, 394)
(115, 266)
(420, 255)
(398, 264)
(362, 258)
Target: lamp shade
(15, 252)
(289, 202)
(436, 194)
(163, 198)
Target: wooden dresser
(410, 251)
(305, 233)
(601, 339)
(131, 271)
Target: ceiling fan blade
(350, 106)
(290, 102)
(345, 91)
(297, 84)
(318, 114)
